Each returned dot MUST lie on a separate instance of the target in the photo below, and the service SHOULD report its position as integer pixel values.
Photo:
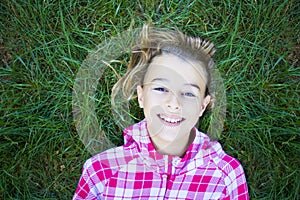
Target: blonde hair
(152, 42)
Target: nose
(173, 103)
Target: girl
(164, 155)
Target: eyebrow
(193, 85)
(166, 80)
(160, 79)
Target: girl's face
(173, 97)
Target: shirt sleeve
(235, 181)
(89, 186)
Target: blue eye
(188, 94)
(160, 89)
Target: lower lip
(170, 123)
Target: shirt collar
(138, 134)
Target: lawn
(44, 43)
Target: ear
(139, 91)
(205, 103)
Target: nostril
(175, 107)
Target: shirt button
(175, 161)
(164, 176)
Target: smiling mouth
(170, 120)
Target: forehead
(172, 67)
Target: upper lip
(171, 118)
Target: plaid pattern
(136, 171)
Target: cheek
(152, 102)
(192, 107)
(154, 99)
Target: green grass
(42, 46)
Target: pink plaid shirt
(136, 171)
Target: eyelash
(161, 89)
(189, 94)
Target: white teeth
(170, 119)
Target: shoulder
(224, 162)
(213, 155)
(230, 168)
(232, 172)
(95, 173)
(107, 163)
(98, 170)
